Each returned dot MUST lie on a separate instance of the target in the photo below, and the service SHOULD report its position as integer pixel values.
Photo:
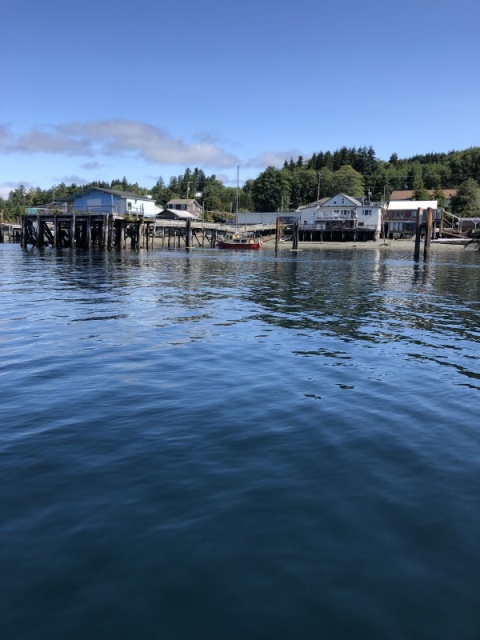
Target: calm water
(229, 446)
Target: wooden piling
(416, 253)
(39, 243)
(71, 235)
(109, 231)
(277, 233)
(188, 234)
(58, 233)
(295, 236)
(428, 234)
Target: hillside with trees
(354, 171)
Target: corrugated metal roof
(114, 192)
(410, 205)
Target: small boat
(240, 240)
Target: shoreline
(408, 245)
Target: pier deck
(108, 231)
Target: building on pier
(95, 200)
(113, 201)
(343, 213)
(400, 217)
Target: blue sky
(102, 90)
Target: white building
(342, 211)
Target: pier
(110, 231)
(105, 231)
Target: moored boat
(240, 240)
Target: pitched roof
(312, 204)
(355, 201)
(182, 201)
(113, 192)
(176, 213)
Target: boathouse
(342, 213)
(400, 217)
(97, 200)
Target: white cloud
(8, 186)
(273, 159)
(73, 179)
(4, 191)
(92, 166)
(5, 136)
(117, 138)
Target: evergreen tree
(348, 181)
(421, 194)
(269, 189)
(393, 158)
(439, 196)
(466, 201)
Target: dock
(111, 231)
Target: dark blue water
(214, 445)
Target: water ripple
(214, 445)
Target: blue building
(97, 200)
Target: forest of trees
(354, 171)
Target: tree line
(354, 171)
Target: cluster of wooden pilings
(188, 235)
(337, 234)
(109, 231)
(427, 231)
(105, 231)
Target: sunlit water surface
(228, 446)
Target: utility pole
(318, 188)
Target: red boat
(240, 241)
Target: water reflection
(370, 297)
